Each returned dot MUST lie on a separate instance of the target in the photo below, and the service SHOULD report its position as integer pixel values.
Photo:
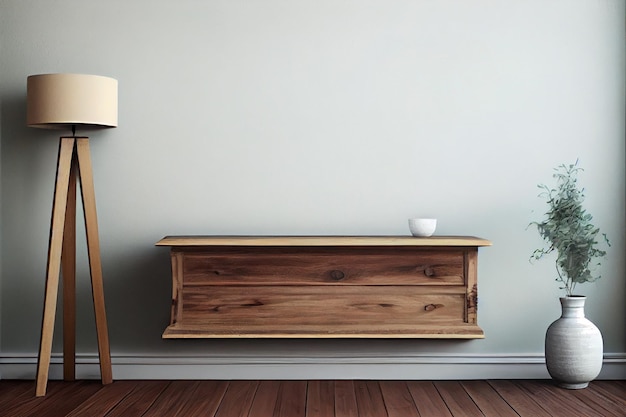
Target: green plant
(568, 230)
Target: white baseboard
(451, 367)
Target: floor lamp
(66, 101)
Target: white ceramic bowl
(422, 227)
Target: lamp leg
(68, 267)
(59, 205)
(93, 249)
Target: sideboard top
(322, 241)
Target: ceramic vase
(573, 346)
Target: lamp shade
(62, 100)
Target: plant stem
(568, 291)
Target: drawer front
(324, 266)
(317, 309)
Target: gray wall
(318, 117)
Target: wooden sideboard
(324, 287)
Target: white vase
(573, 346)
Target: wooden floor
(496, 398)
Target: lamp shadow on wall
(138, 297)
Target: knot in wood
(429, 271)
(337, 275)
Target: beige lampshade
(63, 100)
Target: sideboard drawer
(323, 266)
(268, 309)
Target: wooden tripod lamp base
(62, 101)
(74, 163)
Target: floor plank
(615, 390)
(140, 399)
(12, 390)
(427, 399)
(345, 399)
(264, 403)
(519, 399)
(172, 399)
(369, 399)
(66, 400)
(292, 399)
(238, 399)
(398, 399)
(557, 400)
(27, 400)
(598, 402)
(488, 400)
(457, 399)
(320, 399)
(104, 400)
(206, 399)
